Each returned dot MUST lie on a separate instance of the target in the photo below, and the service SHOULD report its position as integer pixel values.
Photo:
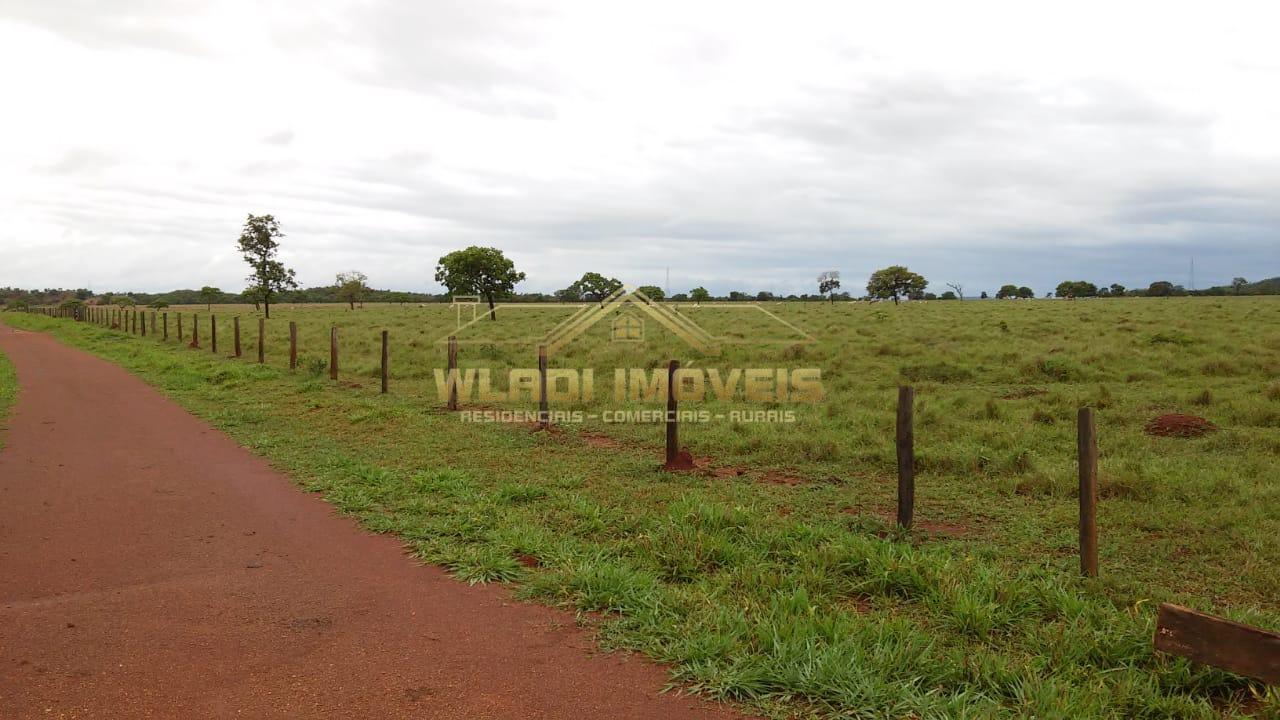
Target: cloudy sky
(743, 145)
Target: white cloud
(745, 146)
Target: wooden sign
(1219, 642)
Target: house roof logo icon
(633, 309)
(579, 322)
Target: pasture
(774, 576)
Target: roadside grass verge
(760, 593)
(8, 393)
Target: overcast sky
(744, 145)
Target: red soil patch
(774, 477)
(682, 461)
(1175, 425)
(595, 439)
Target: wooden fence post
(673, 428)
(906, 438)
(293, 345)
(213, 333)
(153, 322)
(384, 361)
(262, 333)
(452, 372)
(165, 323)
(195, 331)
(180, 327)
(144, 323)
(333, 352)
(1087, 447)
(135, 321)
(235, 335)
(544, 414)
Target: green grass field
(799, 596)
(8, 392)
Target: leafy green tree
(480, 271)
(209, 294)
(259, 246)
(1117, 290)
(764, 296)
(828, 283)
(653, 292)
(984, 295)
(352, 286)
(1160, 288)
(895, 282)
(1238, 284)
(157, 304)
(948, 295)
(124, 301)
(1076, 288)
(699, 294)
(1007, 291)
(596, 287)
(253, 295)
(1026, 293)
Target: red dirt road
(150, 567)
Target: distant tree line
(489, 274)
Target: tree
(125, 301)
(653, 292)
(573, 293)
(208, 294)
(895, 282)
(253, 295)
(948, 295)
(699, 294)
(828, 283)
(1076, 288)
(352, 286)
(764, 296)
(1160, 288)
(984, 295)
(1026, 293)
(259, 247)
(1238, 284)
(596, 287)
(157, 304)
(1007, 291)
(1117, 290)
(479, 271)
(959, 291)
